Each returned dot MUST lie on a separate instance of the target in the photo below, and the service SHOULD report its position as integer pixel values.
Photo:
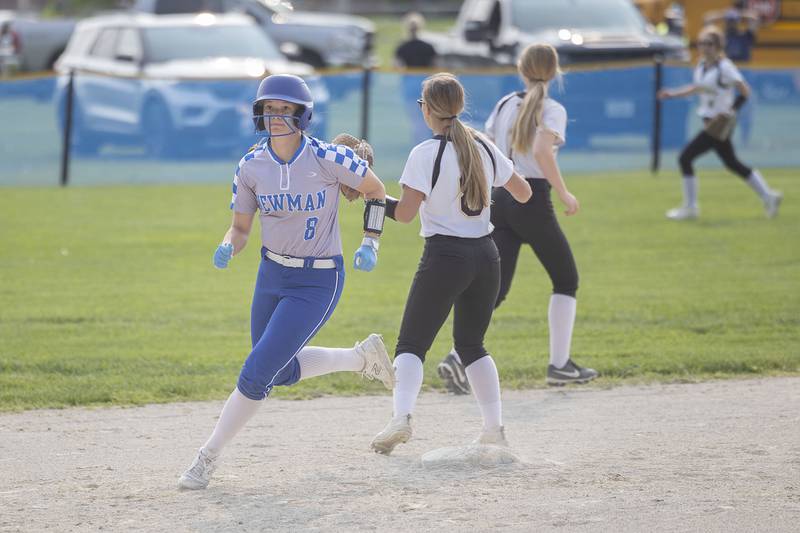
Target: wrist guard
(391, 206)
(739, 102)
(371, 241)
(374, 211)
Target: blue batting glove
(367, 255)
(223, 255)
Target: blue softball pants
(289, 306)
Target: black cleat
(452, 373)
(571, 373)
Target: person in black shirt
(414, 53)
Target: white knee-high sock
(317, 361)
(757, 182)
(235, 414)
(482, 375)
(561, 315)
(690, 191)
(408, 371)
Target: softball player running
(716, 80)
(448, 179)
(292, 181)
(531, 127)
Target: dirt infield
(717, 456)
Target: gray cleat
(570, 373)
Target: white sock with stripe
(235, 414)
(483, 378)
(409, 372)
(318, 361)
(561, 316)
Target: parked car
(171, 83)
(319, 39)
(37, 43)
(493, 32)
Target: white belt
(299, 262)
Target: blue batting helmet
(288, 88)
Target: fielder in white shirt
(530, 127)
(448, 180)
(723, 92)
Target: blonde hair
(444, 96)
(413, 23)
(538, 64)
(360, 146)
(715, 35)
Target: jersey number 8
(311, 228)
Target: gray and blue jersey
(297, 200)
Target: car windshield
(542, 15)
(175, 43)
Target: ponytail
(528, 118)
(538, 64)
(473, 177)
(444, 96)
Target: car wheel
(158, 131)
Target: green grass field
(109, 297)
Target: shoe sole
(449, 379)
(385, 447)
(557, 382)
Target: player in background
(722, 92)
(530, 127)
(292, 181)
(448, 180)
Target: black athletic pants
(533, 223)
(702, 143)
(453, 272)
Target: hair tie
(538, 80)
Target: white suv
(176, 84)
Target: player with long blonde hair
(448, 180)
(529, 127)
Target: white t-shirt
(501, 121)
(441, 212)
(717, 89)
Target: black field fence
(124, 130)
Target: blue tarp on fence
(145, 131)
